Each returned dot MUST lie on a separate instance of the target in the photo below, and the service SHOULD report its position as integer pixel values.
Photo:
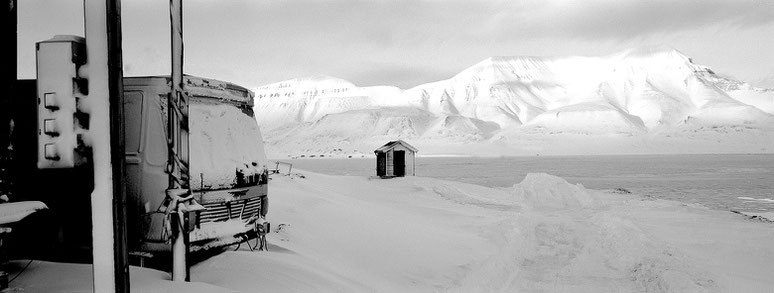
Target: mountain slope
(653, 93)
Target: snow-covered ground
(414, 234)
(46, 277)
(639, 101)
(342, 233)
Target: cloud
(391, 23)
(394, 41)
(623, 20)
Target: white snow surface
(213, 230)
(45, 277)
(223, 139)
(656, 93)
(12, 212)
(414, 234)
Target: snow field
(45, 277)
(413, 234)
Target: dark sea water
(724, 182)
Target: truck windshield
(225, 142)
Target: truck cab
(228, 174)
(228, 178)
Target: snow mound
(12, 212)
(543, 191)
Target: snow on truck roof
(201, 87)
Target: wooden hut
(395, 159)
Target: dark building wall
(67, 192)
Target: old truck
(228, 165)
(227, 169)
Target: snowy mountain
(652, 99)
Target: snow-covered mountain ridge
(500, 101)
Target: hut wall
(410, 163)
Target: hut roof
(392, 144)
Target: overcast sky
(410, 42)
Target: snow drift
(652, 90)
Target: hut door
(381, 164)
(399, 159)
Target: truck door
(133, 110)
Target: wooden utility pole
(105, 99)
(177, 138)
(117, 136)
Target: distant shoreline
(370, 156)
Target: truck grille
(222, 211)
